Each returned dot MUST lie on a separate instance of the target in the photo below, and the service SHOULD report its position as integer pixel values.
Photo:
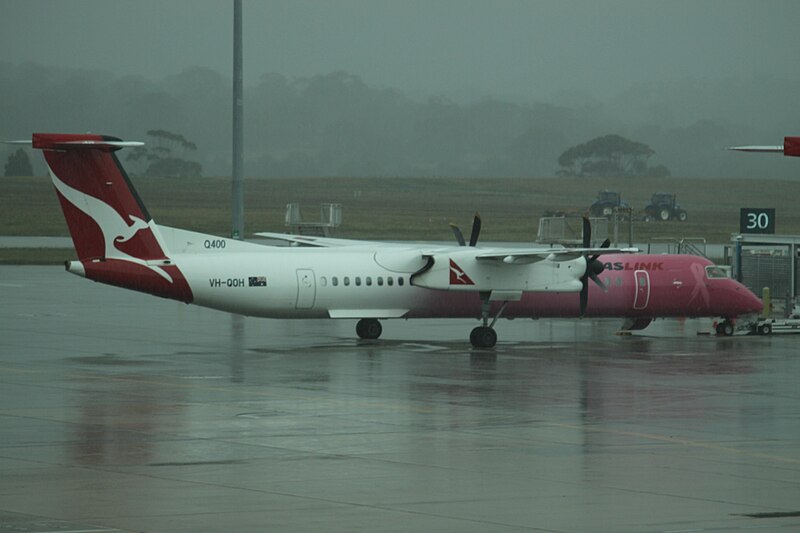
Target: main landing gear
(725, 328)
(485, 336)
(369, 328)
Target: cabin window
(390, 281)
(358, 281)
(369, 281)
(715, 272)
(346, 281)
(323, 281)
(619, 282)
(380, 281)
(400, 281)
(335, 281)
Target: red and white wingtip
(790, 147)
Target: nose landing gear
(485, 336)
(725, 328)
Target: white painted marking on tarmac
(423, 347)
(78, 531)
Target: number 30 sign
(756, 220)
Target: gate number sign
(756, 220)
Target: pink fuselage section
(637, 286)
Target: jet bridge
(765, 260)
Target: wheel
(725, 328)
(483, 337)
(369, 328)
(663, 214)
(682, 216)
(765, 329)
(607, 211)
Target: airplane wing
(790, 147)
(522, 256)
(330, 242)
(778, 148)
(319, 242)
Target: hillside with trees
(337, 124)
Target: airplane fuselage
(286, 282)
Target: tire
(483, 337)
(725, 328)
(607, 211)
(682, 216)
(765, 329)
(369, 328)
(664, 214)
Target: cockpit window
(714, 272)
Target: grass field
(411, 208)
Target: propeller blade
(599, 282)
(594, 267)
(584, 294)
(476, 230)
(587, 232)
(458, 234)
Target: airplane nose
(747, 302)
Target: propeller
(593, 267)
(473, 237)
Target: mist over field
(388, 89)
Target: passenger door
(306, 288)
(642, 298)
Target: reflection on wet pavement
(124, 412)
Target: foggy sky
(528, 49)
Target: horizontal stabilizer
(63, 141)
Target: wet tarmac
(123, 412)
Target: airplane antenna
(237, 188)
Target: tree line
(336, 124)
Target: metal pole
(237, 190)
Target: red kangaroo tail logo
(458, 276)
(116, 239)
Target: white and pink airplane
(118, 243)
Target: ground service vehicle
(607, 201)
(663, 206)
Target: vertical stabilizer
(116, 239)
